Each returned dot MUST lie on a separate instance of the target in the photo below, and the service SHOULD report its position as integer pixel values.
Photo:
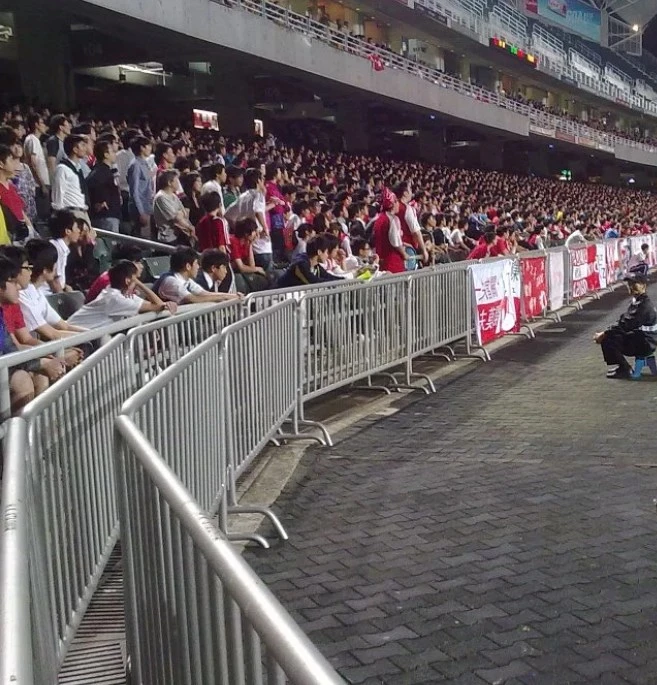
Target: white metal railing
(356, 46)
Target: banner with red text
(496, 299)
(534, 286)
(585, 272)
(612, 254)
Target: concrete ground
(502, 530)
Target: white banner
(496, 298)
(601, 259)
(557, 290)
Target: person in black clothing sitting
(635, 334)
(214, 272)
(306, 268)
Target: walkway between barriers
(499, 530)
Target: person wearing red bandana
(388, 239)
(410, 226)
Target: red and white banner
(557, 280)
(496, 299)
(612, 253)
(534, 286)
(585, 269)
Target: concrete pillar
(351, 119)
(44, 53)
(233, 98)
(464, 69)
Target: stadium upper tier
(570, 58)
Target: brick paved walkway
(500, 531)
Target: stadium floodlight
(635, 28)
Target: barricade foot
(327, 440)
(239, 537)
(408, 385)
(369, 386)
(301, 435)
(246, 509)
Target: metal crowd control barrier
(70, 498)
(197, 613)
(155, 346)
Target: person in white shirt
(120, 300)
(65, 231)
(39, 316)
(36, 157)
(217, 178)
(179, 285)
(251, 204)
(69, 184)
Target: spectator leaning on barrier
(125, 296)
(214, 274)
(29, 379)
(39, 316)
(635, 334)
(179, 284)
(122, 251)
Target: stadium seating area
(262, 214)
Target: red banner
(534, 286)
(585, 274)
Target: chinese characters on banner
(557, 281)
(496, 299)
(612, 249)
(534, 286)
(585, 270)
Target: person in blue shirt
(140, 186)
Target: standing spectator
(22, 179)
(235, 178)
(104, 197)
(140, 185)
(13, 210)
(212, 230)
(216, 179)
(36, 159)
(120, 300)
(251, 204)
(275, 206)
(69, 186)
(124, 159)
(179, 284)
(169, 214)
(191, 184)
(388, 235)
(88, 132)
(60, 127)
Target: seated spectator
(65, 232)
(335, 259)
(13, 315)
(39, 316)
(304, 233)
(179, 284)
(27, 380)
(483, 248)
(241, 247)
(212, 230)
(171, 221)
(82, 267)
(104, 194)
(214, 274)
(362, 253)
(125, 296)
(501, 246)
(640, 263)
(191, 199)
(122, 251)
(307, 267)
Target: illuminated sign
(514, 51)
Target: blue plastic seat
(640, 363)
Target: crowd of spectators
(245, 215)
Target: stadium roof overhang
(638, 12)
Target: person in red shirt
(501, 246)
(388, 239)
(122, 252)
(483, 248)
(241, 247)
(212, 230)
